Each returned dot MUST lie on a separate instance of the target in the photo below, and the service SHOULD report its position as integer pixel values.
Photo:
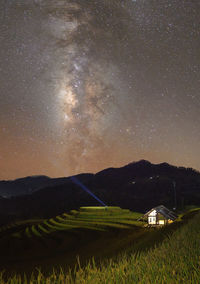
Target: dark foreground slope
(137, 186)
(87, 232)
(175, 260)
(123, 255)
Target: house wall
(152, 218)
(153, 213)
(155, 218)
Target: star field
(86, 85)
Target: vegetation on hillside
(138, 186)
(175, 260)
(86, 232)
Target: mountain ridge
(137, 186)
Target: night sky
(89, 84)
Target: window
(152, 220)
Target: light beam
(76, 181)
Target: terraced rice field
(150, 257)
(67, 234)
(94, 218)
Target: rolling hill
(138, 186)
(83, 232)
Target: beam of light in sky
(76, 181)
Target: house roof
(163, 211)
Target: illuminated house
(159, 215)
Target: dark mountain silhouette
(27, 185)
(138, 186)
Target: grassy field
(175, 260)
(124, 252)
(89, 231)
(94, 218)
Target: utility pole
(175, 202)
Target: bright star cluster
(86, 85)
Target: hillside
(27, 185)
(112, 247)
(138, 186)
(87, 232)
(175, 260)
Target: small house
(159, 215)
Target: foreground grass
(90, 231)
(94, 218)
(175, 260)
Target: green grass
(20, 223)
(43, 229)
(35, 232)
(87, 232)
(89, 218)
(163, 256)
(27, 232)
(176, 260)
(99, 209)
(93, 218)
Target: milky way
(91, 84)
